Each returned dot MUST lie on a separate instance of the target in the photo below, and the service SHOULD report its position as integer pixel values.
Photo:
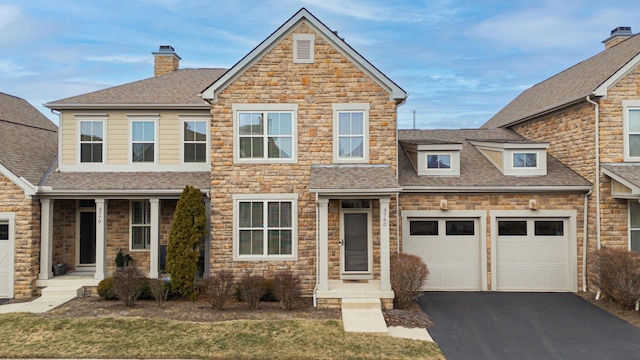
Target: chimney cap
(621, 30)
(165, 50)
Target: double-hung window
(143, 140)
(194, 139)
(265, 227)
(351, 133)
(634, 225)
(632, 130)
(140, 225)
(265, 133)
(91, 141)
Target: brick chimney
(618, 35)
(165, 60)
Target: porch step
(363, 315)
(63, 291)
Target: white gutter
(585, 239)
(597, 173)
(111, 193)
(63, 106)
(495, 189)
(315, 289)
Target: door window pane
(423, 227)
(4, 231)
(512, 228)
(549, 228)
(460, 227)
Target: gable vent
(303, 48)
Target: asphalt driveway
(496, 325)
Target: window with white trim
(265, 227)
(303, 48)
(265, 133)
(91, 141)
(140, 225)
(525, 160)
(143, 141)
(194, 140)
(351, 133)
(438, 161)
(632, 137)
(634, 225)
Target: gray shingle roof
(344, 178)
(28, 139)
(629, 172)
(127, 181)
(475, 169)
(573, 84)
(181, 87)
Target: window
(460, 227)
(351, 133)
(266, 227)
(438, 161)
(355, 204)
(194, 141)
(634, 225)
(549, 228)
(303, 48)
(265, 133)
(143, 136)
(91, 141)
(423, 227)
(4, 230)
(633, 133)
(525, 160)
(512, 228)
(140, 225)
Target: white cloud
(126, 59)
(9, 14)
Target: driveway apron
(497, 325)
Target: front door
(87, 241)
(355, 243)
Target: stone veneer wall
(26, 235)
(571, 136)
(490, 202)
(274, 78)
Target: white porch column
(385, 267)
(207, 237)
(101, 238)
(46, 239)
(323, 231)
(155, 238)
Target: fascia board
(604, 87)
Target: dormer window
(515, 157)
(434, 158)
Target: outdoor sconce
(444, 205)
(127, 260)
(533, 204)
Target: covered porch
(356, 232)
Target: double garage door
(530, 254)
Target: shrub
(268, 295)
(184, 241)
(408, 274)
(287, 288)
(251, 288)
(159, 289)
(128, 283)
(105, 289)
(145, 292)
(616, 273)
(219, 288)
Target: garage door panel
(6, 260)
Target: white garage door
(533, 255)
(451, 249)
(6, 260)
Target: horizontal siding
(68, 125)
(169, 138)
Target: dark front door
(356, 257)
(87, 238)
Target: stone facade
(26, 235)
(275, 78)
(493, 202)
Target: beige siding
(618, 188)
(495, 156)
(169, 139)
(68, 126)
(117, 138)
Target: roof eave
(24, 184)
(634, 188)
(496, 189)
(352, 192)
(546, 112)
(93, 106)
(604, 87)
(50, 192)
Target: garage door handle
(341, 242)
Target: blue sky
(460, 61)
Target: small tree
(184, 241)
(287, 287)
(408, 274)
(219, 288)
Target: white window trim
(539, 170)
(237, 108)
(351, 107)
(131, 224)
(156, 132)
(513, 158)
(454, 164)
(92, 118)
(628, 105)
(308, 37)
(10, 218)
(204, 119)
(293, 198)
(629, 229)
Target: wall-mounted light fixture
(533, 204)
(444, 205)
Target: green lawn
(28, 335)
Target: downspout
(315, 289)
(597, 150)
(584, 240)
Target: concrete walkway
(51, 298)
(365, 316)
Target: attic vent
(303, 48)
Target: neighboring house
(590, 116)
(28, 143)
